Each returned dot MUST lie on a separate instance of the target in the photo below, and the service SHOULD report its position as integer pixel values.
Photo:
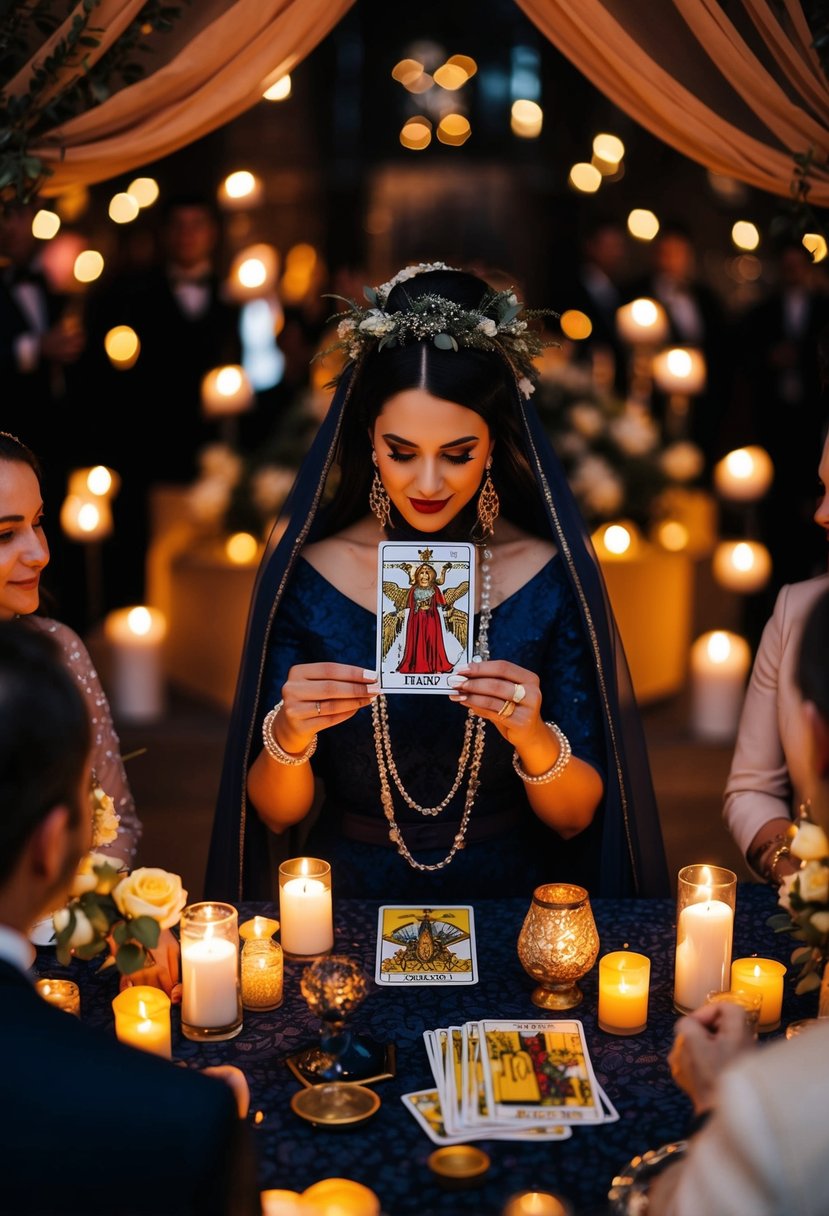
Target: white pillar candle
(720, 663)
(211, 1006)
(305, 910)
(136, 636)
(703, 952)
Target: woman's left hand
(163, 969)
(505, 694)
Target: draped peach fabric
(238, 49)
(740, 91)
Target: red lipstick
(428, 506)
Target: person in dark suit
(696, 318)
(595, 289)
(151, 412)
(83, 1109)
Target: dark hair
(478, 380)
(15, 451)
(45, 736)
(812, 671)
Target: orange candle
(763, 975)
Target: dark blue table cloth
(388, 1153)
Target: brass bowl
(335, 1104)
(458, 1165)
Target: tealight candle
(341, 1197)
(258, 927)
(705, 923)
(277, 1202)
(211, 1006)
(305, 907)
(63, 994)
(142, 1018)
(763, 975)
(624, 980)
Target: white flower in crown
(408, 272)
(488, 326)
(377, 322)
(346, 327)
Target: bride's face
(23, 548)
(431, 456)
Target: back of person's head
(812, 672)
(15, 451)
(44, 737)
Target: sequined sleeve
(106, 748)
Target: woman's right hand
(316, 696)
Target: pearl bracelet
(272, 747)
(562, 760)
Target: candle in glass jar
(262, 973)
(142, 1018)
(209, 982)
(703, 951)
(305, 909)
(63, 994)
(624, 980)
(763, 975)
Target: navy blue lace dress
(508, 850)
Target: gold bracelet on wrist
(555, 770)
(781, 851)
(272, 747)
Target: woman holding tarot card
(430, 643)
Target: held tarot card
(425, 613)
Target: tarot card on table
(417, 946)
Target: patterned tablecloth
(388, 1153)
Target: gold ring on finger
(519, 693)
(507, 709)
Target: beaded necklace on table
(470, 758)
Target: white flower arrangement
(805, 897)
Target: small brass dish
(458, 1165)
(335, 1104)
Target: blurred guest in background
(696, 318)
(596, 290)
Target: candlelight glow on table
(305, 909)
(765, 976)
(624, 983)
(211, 1005)
(705, 923)
(63, 994)
(142, 1019)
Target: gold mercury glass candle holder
(262, 973)
(63, 994)
(558, 943)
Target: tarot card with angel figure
(425, 613)
(417, 946)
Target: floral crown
(499, 323)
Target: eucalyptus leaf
(808, 984)
(445, 342)
(130, 958)
(145, 930)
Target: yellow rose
(810, 842)
(85, 877)
(151, 892)
(82, 934)
(814, 883)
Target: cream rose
(82, 934)
(810, 842)
(85, 877)
(820, 921)
(814, 883)
(151, 892)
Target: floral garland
(497, 324)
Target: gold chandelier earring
(378, 499)
(488, 507)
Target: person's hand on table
(704, 1043)
(238, 1082)
(163, 971)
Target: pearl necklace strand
(471, 752)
